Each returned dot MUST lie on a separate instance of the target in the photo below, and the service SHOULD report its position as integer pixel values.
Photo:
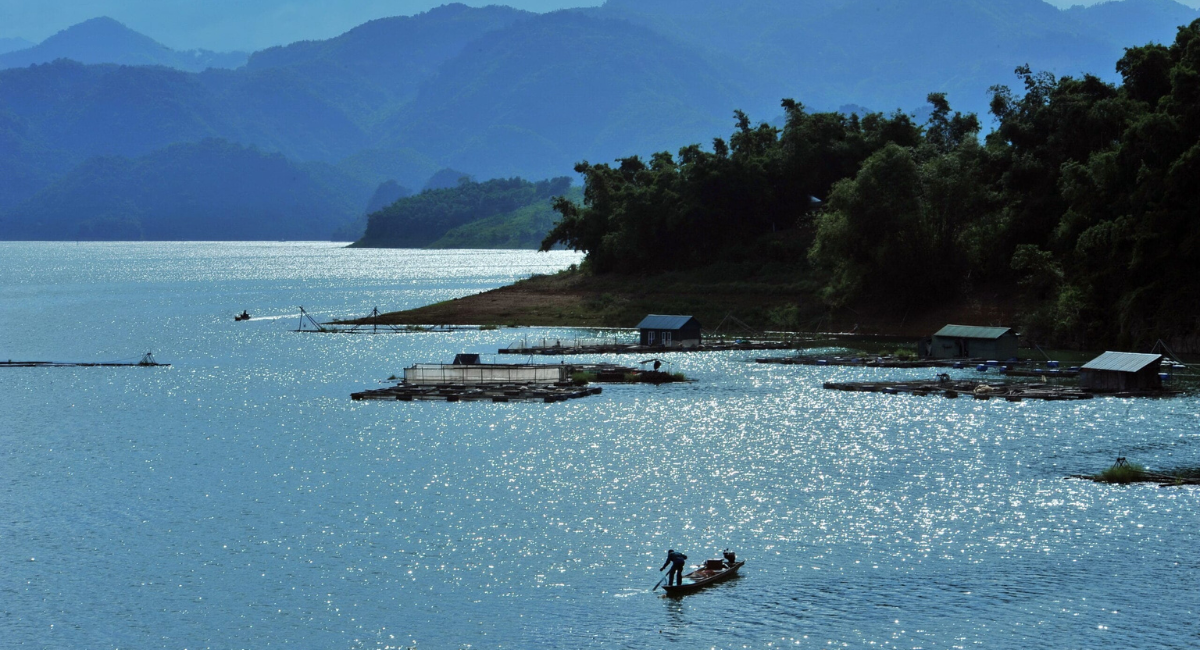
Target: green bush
(1124, 474)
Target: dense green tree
(703, 206)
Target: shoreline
(572, 299)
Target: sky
(245, 24)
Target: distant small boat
(712, 572)
(242, 316)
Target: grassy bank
(575, 299)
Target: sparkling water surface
(240, 499)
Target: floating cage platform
(547, 393)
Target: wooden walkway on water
(568, 348)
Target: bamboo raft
(865, 362)
(1022, 368)
(965, 388)
(548, 393)
(1012, 392)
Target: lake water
(240, 499)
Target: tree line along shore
(1074, 218)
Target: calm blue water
(240, 499)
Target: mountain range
(104, 40)
(499, 92)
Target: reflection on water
(240, 499)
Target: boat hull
(702, 582)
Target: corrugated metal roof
(1122, 361)
(660, 322)
(972, 332)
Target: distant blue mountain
(212, 190)
(104, 40)
(536, 97)
(1135, 21)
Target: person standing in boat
(676, 561)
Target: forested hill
(1082, 204)
(422, 220)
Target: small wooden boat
(712, 572)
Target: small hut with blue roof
(669, 331)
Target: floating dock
(547, 393)
(147, 361)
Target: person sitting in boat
(676, 560)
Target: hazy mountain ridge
(104, 40)
(13, 44)
(889, 54)
(381, 64)
(1135, 21)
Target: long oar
(660, 581)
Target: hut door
(666, 338)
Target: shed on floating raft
(1122, 371)
(670, 331)
(969, 342)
